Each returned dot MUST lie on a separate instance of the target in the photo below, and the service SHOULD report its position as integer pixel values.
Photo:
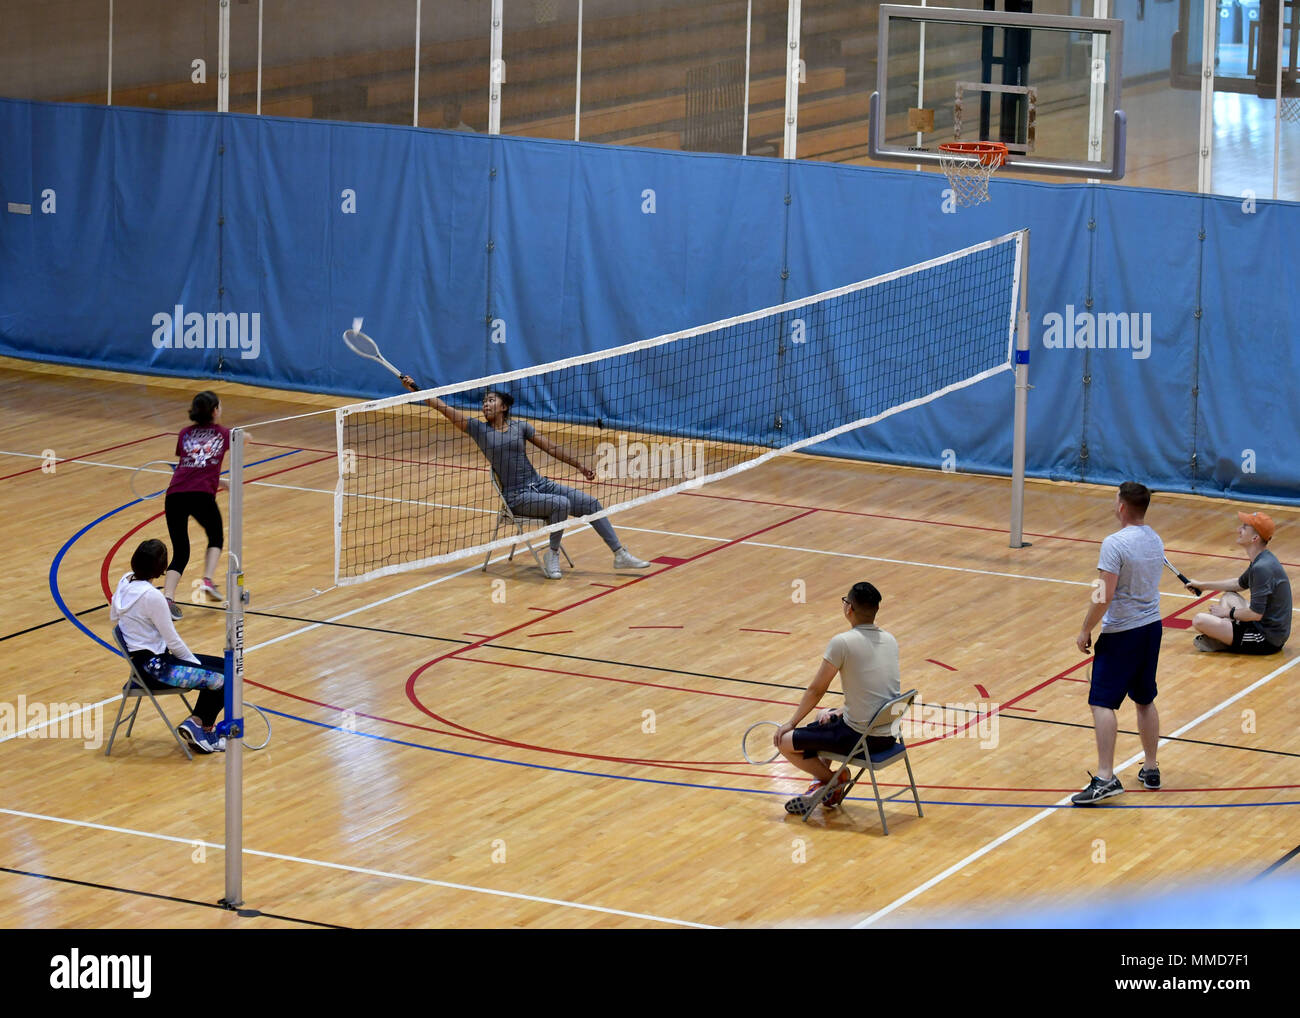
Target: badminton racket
(1186, 582)
(363, 346)
(141, 484)
(757, 743)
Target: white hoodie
(140, 610)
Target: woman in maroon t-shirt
(193, 492)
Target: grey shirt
(867, 659)
(1270, 596)
(1135, 555)
(506, 451)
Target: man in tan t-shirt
(866, 658)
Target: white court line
(1044, 814)
(386, 874)
(674, 533)
(61, 717)
(260, 484)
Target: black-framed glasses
(845, 600)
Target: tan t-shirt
(867, 658)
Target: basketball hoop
(968, 165)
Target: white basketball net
(968, 176)
(1291, 110)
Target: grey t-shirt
(506, 451)
(1135, 555)
(867, 658)
(1270, 596)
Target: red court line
(982, 691)
(108, 558)
(629, 682)
(670, 764)
(73, 459)
(709, 767)
(939, 523)
(940, 664)
(774, 632)
(558, 632)
(415, 675)
(1174, 622)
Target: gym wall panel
(434, 236)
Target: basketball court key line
(979, 853)
(364, 871)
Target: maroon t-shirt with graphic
(201, 448)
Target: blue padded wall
(469, 255)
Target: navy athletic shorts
(1125, 664)
(834, 737)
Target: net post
(1022, 394)
(235, 680)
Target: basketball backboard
(1045, 85)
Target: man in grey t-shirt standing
(866, 658)
(1126, 600)
(1261, 627)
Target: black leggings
(179, 508)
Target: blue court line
(58, 600)
(58, 559)
(728, 788)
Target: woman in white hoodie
(140, 611)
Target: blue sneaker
(193, 733)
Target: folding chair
(137, 688)
(892, 712)
(506, 517)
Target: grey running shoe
(1098, 789)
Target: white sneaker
(624, 559)
(551, 565)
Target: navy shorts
(1125, 664)
(1249, 638)
(834, 737)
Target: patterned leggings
(208, 677)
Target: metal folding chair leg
(915, 794)
(880, 804)
(133, 691)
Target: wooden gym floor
(570, 757)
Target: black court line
(1279, 864)
(245, 913)
(521, 650)
(725, 678)
(61, 618)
